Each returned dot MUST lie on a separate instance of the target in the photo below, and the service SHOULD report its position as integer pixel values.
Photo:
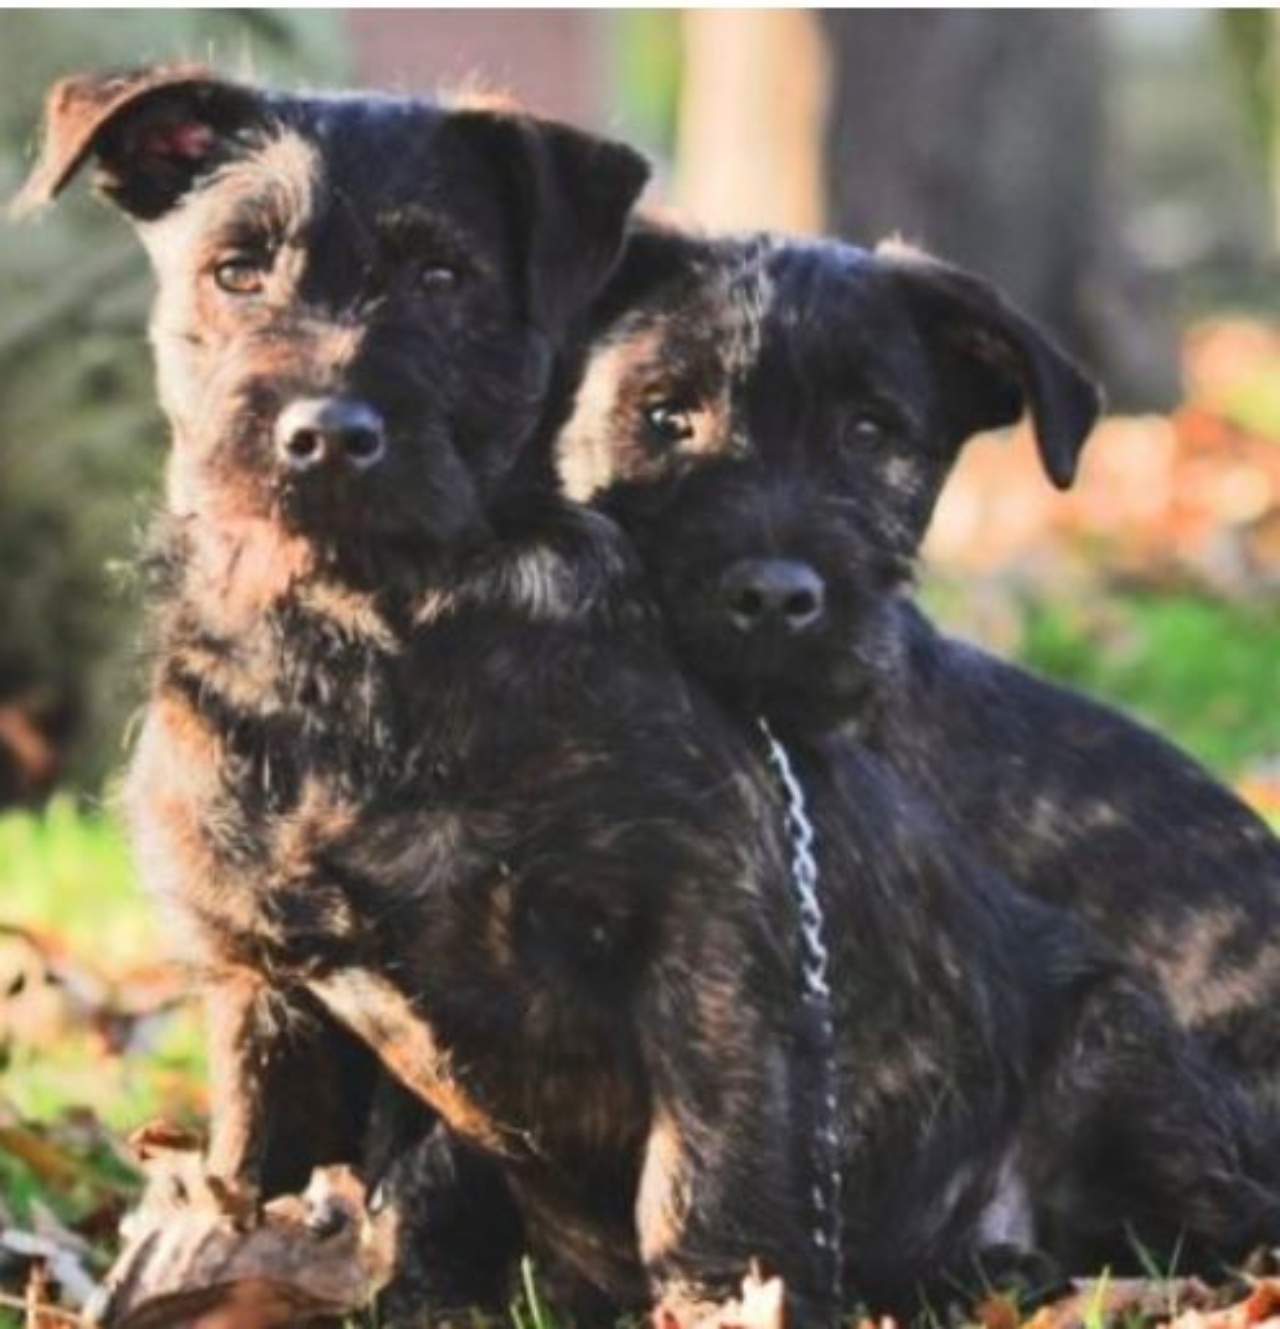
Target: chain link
(815, 969)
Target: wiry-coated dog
(771, 423)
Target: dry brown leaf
(997, 1311)
(1260, 1307)
(157, 1138)
(52, 1165)
(1111, 1300)
(762, 1306)
(197, 1254)
(1264, 1302)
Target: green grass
(164, 1078)
(65, 874)
(529, 1311)
(1252, 402)
(68, 871)
(1205, 672)
(101, 1178)
(68, 1097)
(1095, 1316)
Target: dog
(771, 421)
(846, 383)
(418, 762)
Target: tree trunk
(981, 135)
(752, 101)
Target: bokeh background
(1117, 173)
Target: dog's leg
(459, 1232)
(723, 1183)
(458, 1229)
(385, 1018)
(237, 1050)
(290, 1087)
(1142, 1145)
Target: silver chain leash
(815, 969)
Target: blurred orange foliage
(1193, 496)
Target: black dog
(845, 385)
(771, 423)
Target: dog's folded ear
(995, 362)
(569, 195)
(151, 132)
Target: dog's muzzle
(329, 435)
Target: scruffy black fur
(825, 443)
(772, 422)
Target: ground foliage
(96, 1040)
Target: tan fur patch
(173, 772)
(197, 336)
(319, 821)
(665, 1199)
(353, 613)
(282, 179)
(434, 606)
(244, 565)
(1200, 988)
(385, 1018)
(588, 447)
(605, 440)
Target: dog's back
(1090, 809)
(771, 421)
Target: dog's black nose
(762, 593)
(330, 432)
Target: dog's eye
(244, 274)
(866, 430)
(437, 276)
(669, 422)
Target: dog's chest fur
(430, 790)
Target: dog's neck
(328, 681)
(545, 561)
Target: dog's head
(773, 421)
(360, 297)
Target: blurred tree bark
(752, 101)
(1252, 38)
(981, 135)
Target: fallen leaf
(1260, 1307)
(997, 1311)
(762, 1306)
(1116, 1300)
(194, 1258)
(160, 1137)
(51, 1164)
(1263, 1303)
(63, 1265)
